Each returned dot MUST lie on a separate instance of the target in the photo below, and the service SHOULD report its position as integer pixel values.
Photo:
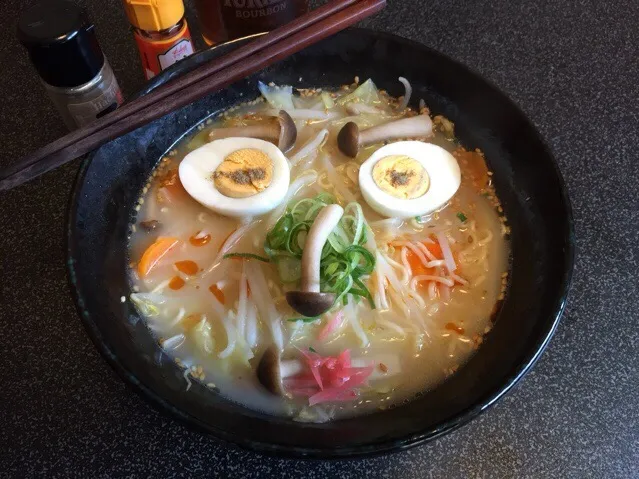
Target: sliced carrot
(155, 253)
(197, 240)
(171, 183)
(176, 283)
(187, 267)
(473, 167)
(217, 292)
(416, 265)
(435, 249)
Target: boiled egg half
(409, 178)
(236, 176)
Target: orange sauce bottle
(161, 33)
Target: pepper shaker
(63, 48)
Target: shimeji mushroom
(350, 139)
(309, 301)
(272, 370)
(280, 129)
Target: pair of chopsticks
(310, 28)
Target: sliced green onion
(359, 253)
(304, 319)
(297, 209)
(331, 269)
(343, 289)
(277, 237)
(462, 217)
(292, 243)
(365, 292)
(358, 221)
(364, 237)
(326, 198)
(336, 243)
(344, 260)
(289, 269)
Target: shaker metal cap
(61, 43)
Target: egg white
(197, 168)
(440, 165)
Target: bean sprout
(178, 318)
(407, 94)
(391, 325)
(448, 254)
(356, 325)
(232, 240)
(231, 338)
(312, 146)
(173, 342)
(251, 325)
(301, 181)
(161, 286)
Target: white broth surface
(414, 320)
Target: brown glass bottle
(228, 19)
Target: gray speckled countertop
(571, 65)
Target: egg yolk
(244, 173)
(401, 176)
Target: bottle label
(243, 17)
(85, 112)
(256, 8)
(180, 50)
(159, 55)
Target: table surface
(573, 68)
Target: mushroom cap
(288, 131)
(268, 371)
(310, 304)
(348, 139)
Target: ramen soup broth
(207, 315)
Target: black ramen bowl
(528, 183)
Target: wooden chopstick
(199, 73)
(221, 72)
